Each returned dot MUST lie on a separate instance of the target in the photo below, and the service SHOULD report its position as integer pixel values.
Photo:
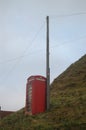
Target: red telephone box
(35, 95)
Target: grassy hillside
(67, 104)
(5, 113)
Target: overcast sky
(23, 42)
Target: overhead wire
(68, 15)
(23, 54)
(40, 50)
(31, 43)
(26, 49)
(19, 57)
(68, 42)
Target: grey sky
(23, 32)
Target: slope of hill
(67, 104)
(5, 113)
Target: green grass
(67, 104)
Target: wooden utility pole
(47, 65)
